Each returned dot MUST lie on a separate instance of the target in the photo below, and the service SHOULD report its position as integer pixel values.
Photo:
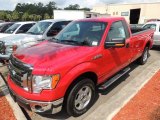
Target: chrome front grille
(2, 47)
(20, 73)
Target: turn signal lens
(119, 45)
(55, 80)
(14, 48)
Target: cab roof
(103, 19)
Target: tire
(143, 59)
(78, 95)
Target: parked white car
(42, 30)
(156, 26)
(18, 27)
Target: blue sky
(10, 4)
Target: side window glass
(56, 28)
(24, 28)
(153, 27)
(116, 31)
(150, 26)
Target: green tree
(25, 16)
(3, 15)
(9, 17)
(15, 15)
(38, 17)
(31, 17)
(46, 16)
(73, 7)
(36, 8)
(50, 7)
(86, 9)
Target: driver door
(117, 58)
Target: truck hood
(20, 39)
(2, 35)
(49, 54)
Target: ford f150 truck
(64, 72)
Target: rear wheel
(80, 98)
(143, 59)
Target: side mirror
(115, 43)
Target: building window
(124, 13)
(113, 13)
(116, 13)
(88, 16)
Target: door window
(150, 26)
(25, 28)
(117, 30)
(56, 28)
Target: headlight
(11, 48)
(44, 82)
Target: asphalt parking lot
(109, 102)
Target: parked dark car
(5, 26)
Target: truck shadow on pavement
(120, 80)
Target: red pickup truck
(65, 71)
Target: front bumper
(5, 56)
(38, 106)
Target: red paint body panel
(69, 61)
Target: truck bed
(136, 31)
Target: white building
(134, 13)
(74, 14)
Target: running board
(114, 78)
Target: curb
(107, 111)
(146, 79)
(14, 106)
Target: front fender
(74, 73)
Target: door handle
(127, 45)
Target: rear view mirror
(115, 43)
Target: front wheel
(143, 59)
(80, 98)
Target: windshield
(13, 28)
(82, 32)
(39, 28)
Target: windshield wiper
(54, 40)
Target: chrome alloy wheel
(145, 56)
(83, 98)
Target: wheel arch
(91, 75)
